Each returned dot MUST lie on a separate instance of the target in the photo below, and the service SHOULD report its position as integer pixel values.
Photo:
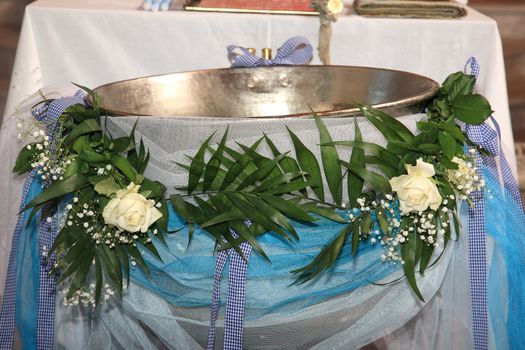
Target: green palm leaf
(292, 186)
(288, 208)
(278, 180)
(389, 134)
(261, 173)
(238, 167)
(326, 212)
(214, 163)
(389, 171)
(408, 254)
(381, 153)
(287, 164)
(257, 215)
(59, 189)
(197, 166)
(308, 164)
(330, 159)
(379, 182)
(272, 213)
(392, 123)
(98, 278)
(354, 182)
(234, 214)
(325, 259)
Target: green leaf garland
(227, 186)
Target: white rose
(416, 191)
(131, 211)
(334, 7)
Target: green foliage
(85, 127)
(326, 258)
(59, 189)
(308, 163)
(269, 192)
(456, 100)
(471, 109)
(24, 159)
(89, 151)
(355, 183)
(330, 159)
(378, 181)
(107, 187)
(228, 187)
(409, 255)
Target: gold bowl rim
(408, 101)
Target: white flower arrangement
(115, 210)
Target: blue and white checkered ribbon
(234, 317)
(296, 50)
(48, 113)
(157, 5)
(7, 314)
(489, 139)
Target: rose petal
(108, 213)
(124, 205)
(421, 168)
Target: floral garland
(110, 208)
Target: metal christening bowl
(269, 92)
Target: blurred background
(509, 14)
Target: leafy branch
(97, 166)
(237, 195)
(227, 187)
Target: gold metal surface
(269, 92)
(267, 53)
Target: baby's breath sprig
(465, 179)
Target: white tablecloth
(92, 42)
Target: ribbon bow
(490, 140)
(296, 50)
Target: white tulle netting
(384, 317)
(389, 315)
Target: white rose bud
(417, 191)
(131, 211)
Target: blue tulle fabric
(27, 271)
(505, 223)
(185, 277)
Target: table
(94, 42)
(107, 41)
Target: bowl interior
(268, 92)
